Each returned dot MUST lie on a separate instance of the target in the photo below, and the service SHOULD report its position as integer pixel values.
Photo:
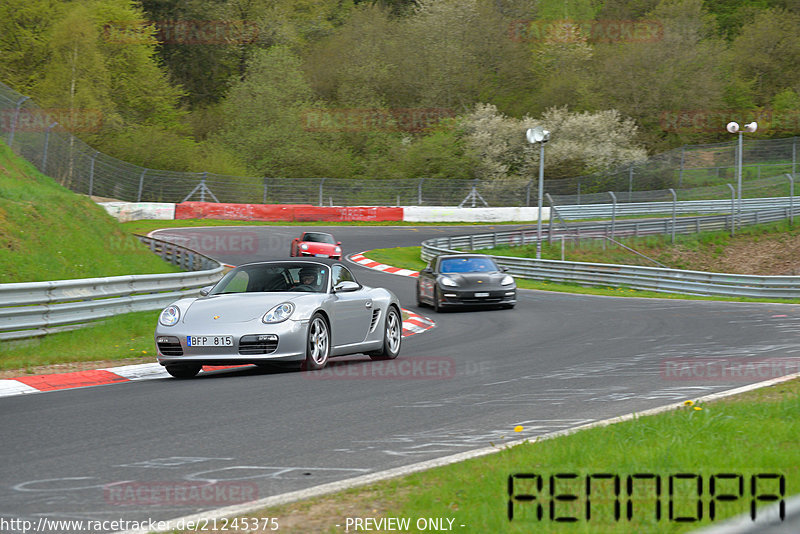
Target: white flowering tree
(581, 143)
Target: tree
(768, 52)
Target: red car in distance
(316, 244)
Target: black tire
(184, 371)
(392, 336)
(437, 307)
(318, 344)
(420, 303)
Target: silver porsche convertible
(303, 311)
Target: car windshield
(274, 277)
(467, 265)
(317, 237)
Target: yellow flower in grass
(698, 408)
(688, 403)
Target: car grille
(258, 344)
(169, 346)
(376, 314)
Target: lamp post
(733, 127)
(541, 136)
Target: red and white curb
(22, 385)
(370, 264)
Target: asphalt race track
(554, 362)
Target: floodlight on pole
(541, 136)
(733, 127)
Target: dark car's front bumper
(463, 297)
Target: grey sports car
(465, 280)
(304, 311)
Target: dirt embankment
(762, 255)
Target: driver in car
(308, 279)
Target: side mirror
(205, 291)
(346, 287)
(338, 243)
(503, 269)
(426, 270)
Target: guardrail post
(46, 143)
(733, 209)
(613, 212)
(791, 197)
(141, 184)
(674, 212)
(419, 192)
(16, 117)
(91, 172)
(494, 240)
(630, 182)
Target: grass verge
(49, 233)
(747, 435)
(119, 339)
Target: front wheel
(392, 336)
(437, 306)
(318, 344)
(184, 371)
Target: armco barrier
(634, 277)
(236, 212)
(40, 308)
(136, 211)
(285, 212)
(488, 215)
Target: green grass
(118, 338)
(49, 233)
(141, 227)
(749, 434)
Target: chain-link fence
(695, 171)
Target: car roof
(448, 256)
(323, 261)
(315, 232)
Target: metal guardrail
(591, 211)
(634, 277)
(40, 308)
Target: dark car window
(273, 277)
(467, 265)
(315, 237)
(342, 274)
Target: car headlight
(507, 280)
(279, 313)
(448, 282)
(170, 316)
(303, 247)
(338, 250)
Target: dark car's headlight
(279, 313)
(170, 316)
(445, 281)
(507, 280)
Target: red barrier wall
(284, 212)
